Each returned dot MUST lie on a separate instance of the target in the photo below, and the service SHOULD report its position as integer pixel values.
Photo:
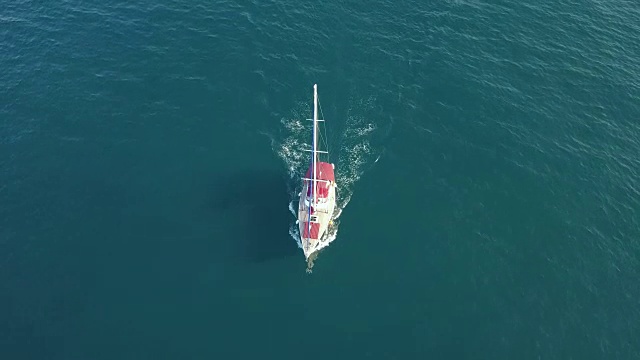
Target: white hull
(323, 216)
(318, 196)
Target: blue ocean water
(486, 154)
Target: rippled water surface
(486, 153)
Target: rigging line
(325, 138)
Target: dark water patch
(261, 199)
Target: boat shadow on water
(259, 199)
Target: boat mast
(315, 156)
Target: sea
(487, 156)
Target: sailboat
(318, 195)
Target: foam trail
(293, 228)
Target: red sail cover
(315, 228)
(324, 171)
